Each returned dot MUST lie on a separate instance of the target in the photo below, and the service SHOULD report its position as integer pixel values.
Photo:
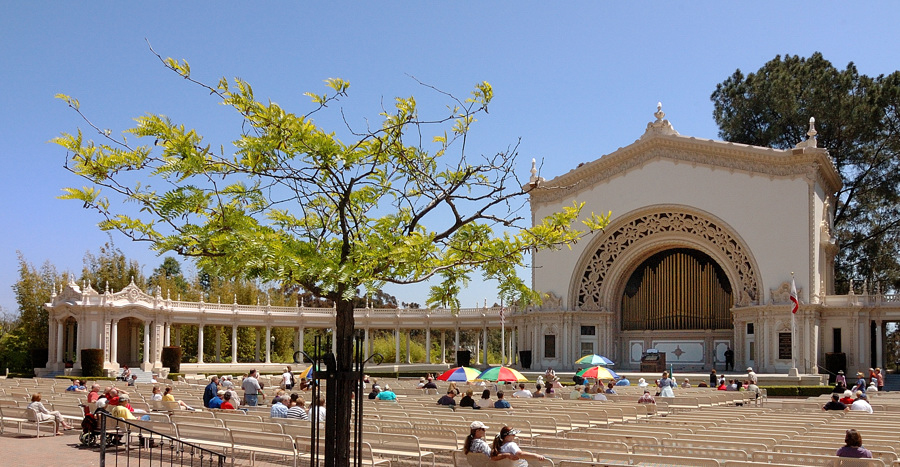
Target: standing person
(42, 413)
(713, 378)
(853, 446)
(729, 359)
(251, 388)
(840, 378)
(666, 386)
(505, 443)
(751, 375)
(211, 390)
(287, 379)
(879, 379)
(860, 383)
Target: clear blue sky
(574, 80)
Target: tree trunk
(338, 403)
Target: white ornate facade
(760, 214)
(81, 317)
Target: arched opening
(677, 289)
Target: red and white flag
(794, 299)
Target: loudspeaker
(463, 357)
(525, 358)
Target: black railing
(130, 443)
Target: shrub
(92, 362)
(171, 358)
(814, 391)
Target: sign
(784, 346)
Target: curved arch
(648, 230)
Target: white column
(407, 347)
(443, 346)
(367, 346)
(484, 346)
(300, 339)
(167, 336)
(200, 343)
(268, 344)
(428, 345)
(234, 344)
(60, 341)
(333, 342)
(147, 338)
(397, 345)
(218, 344)
(256, 331)
(114, 343)
(456, 344)
(879, 351)
(78, 330)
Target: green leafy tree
(858, 122)
(298, 205)
(169, 278)
(24, 346)
(110, 267)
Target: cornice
(793, 163)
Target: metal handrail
(215, 458)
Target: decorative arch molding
(650, 229)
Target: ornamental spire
(660, 126)
(811, 141)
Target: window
(589, 330)
(587, 348)
(836, 338)
(750, 329)
(550, 346)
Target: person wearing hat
(476, 449)
(751, 375)
(840, 378)
(861, 404)
(860, 383)
(505, 443)
(216, 402)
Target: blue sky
(573, 80)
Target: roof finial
(659, 114)
(534, 179)
(811, 141)
(660, 126)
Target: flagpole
(795, 300)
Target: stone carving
(589, 293)
(551, 302)
(782, 294)
(659, 126)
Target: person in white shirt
(861, 403)
(522, 392)
(317, 410)
(287, 379)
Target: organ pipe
(677, 290)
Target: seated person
(278, 410)
(853, 446)
(226, 402)
(522, 392)
(577, 392)
(861, 404)
(216, 402)
(538, 393)
(623, 381)
(835, 403)
(686, 384)
(387, 394)
(448, 399)
(610, 389)
(646, 398)
(468, 400)
(501, 403)
(430, 384)
(76, 386)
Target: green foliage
(27, 333)
(857, 121)
(109, 267)
(92, 362)
(171, 358)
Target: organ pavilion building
(703, 243)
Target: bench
(435, 439)
(205, 435)
(264, 443)
(397, 446)
(685, 451)
(22, 416)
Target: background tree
(169, 278)
(110, 267)
(296, 204)
(858, 122)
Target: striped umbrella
(598, 372)
(308, 373)
(594, 359)
(462, 374)
(502, 373)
